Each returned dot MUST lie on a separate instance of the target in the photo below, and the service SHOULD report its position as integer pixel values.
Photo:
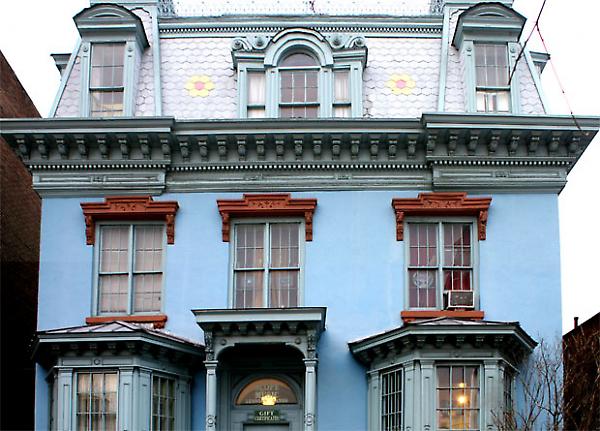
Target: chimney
(576, 321)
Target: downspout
(444, 61)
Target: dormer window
(113, 41)
(487, 37)
(107, 80)
(299, 73)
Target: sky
(30, 30)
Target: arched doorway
(262, 388)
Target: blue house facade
(295, 217)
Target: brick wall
(20, 208)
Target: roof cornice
(444, 143)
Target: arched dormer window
(299, 73)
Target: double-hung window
(96, 401)
(440, 265)
(267, 263)
(130, 268)
(492, 75)
(458, 404)
(107, 79)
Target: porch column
(310, 394)
(211, 395)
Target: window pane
(253, 393)
(341, 83)
(342, 112)
(457, 280)
(112, 291)
(147, 292)
(283, 286)
(106, 103)
(148, 248)
(249, 246)
(284, 245)
(256, 88)
(422, 288)
(256, 112)
(248, 289)
(443, 376)
(423, 244)
(114, 243)
(299, 59)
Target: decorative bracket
(442, 204)
(266, 205)
(129, 208)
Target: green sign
(267, 416)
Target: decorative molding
(156, 320)
(266, 205)
(412, 315)
(129, 208)
(441, 204)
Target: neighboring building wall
(19, 253)
(366, 272)
(581, 350)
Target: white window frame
(440, 288)
(130, 296)
(480, 375)
(301, 253)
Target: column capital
(310, 362)
(211, 364)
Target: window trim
(301, 256)
(151, 316)
(440, 221)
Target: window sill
(411, 315)
(157, 320)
